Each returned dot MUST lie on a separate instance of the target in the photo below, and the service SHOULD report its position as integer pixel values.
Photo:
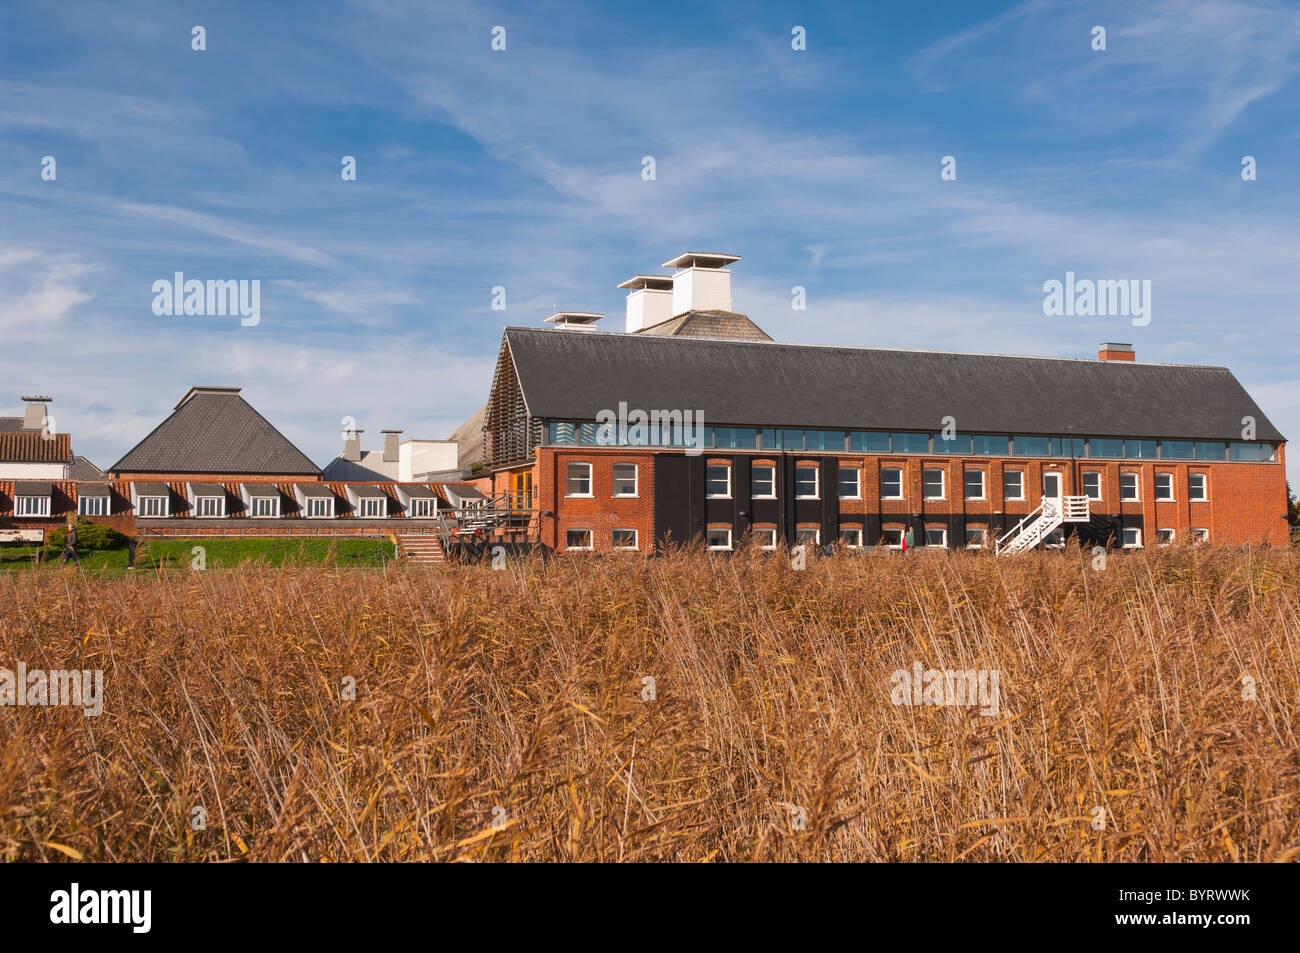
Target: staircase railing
(1039, 524)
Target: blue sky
(522, 168)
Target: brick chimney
(352, 445)
(34, 413)
(1113, 351)
(390, 445)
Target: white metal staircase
(1034, 528)
(508, 513)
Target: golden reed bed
(685, 708)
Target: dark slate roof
(465, 491)
(318, 490)
(361, 489)
(83, 469)
(207, 489)
(94, 489)
(418, 491)
(339, 470)
(151, 489)
(215, 433)
(260, 489)
(33, 488)
(576, 376)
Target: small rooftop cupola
(391, 451)
(701, 281)
(1113, 351)
(649, 300)
(574, 320)
(34, 412)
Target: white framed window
(718, 539)
(717, 483)
(625, 479)
(209, 506)
(372, 507)
(320, 507)
(1092, 484)
(1164, 536)
(891, 483)
(807, 536)
(1055, 539)
(764, 538)
(624, 539)
(577, 479)
(422, 508)
(1132, 537)
(1128, 486)
(932, 483)
(974, 484)
(31, 506)
(1013, 484)
(850, 483)
(263, 507)
(1200, 534)
(152, 506)
(1164, 486)
(92, 506)
(936, 537)
(851, 537)
(1197, 487)
(805, 483)
(577, 539)
(975, 537)
(893, 538)
(762, 483)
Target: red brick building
(694, 425)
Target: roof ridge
(864, 347)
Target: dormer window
(261, 500)
(92, 506)
(210, 506)
(319, 507)
(265, 506)
(32, 498)
(31, 506)
(315, 500)
(152, 506)
(373, 507)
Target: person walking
(70, 546)
(909, 539)
(130, 552)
